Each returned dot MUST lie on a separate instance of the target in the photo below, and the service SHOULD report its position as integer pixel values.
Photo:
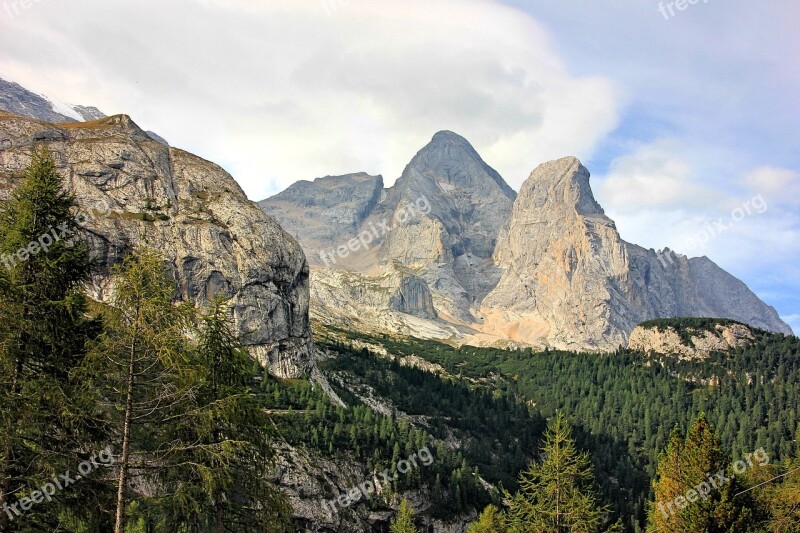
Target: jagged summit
(563, 180)
(478, 263)
(450, 159)
(326, 212)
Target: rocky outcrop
(327, 212)
(217, 243)
(569, 280)
(413, 297)
(544, 268)
(690, 342)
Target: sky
(686, 118)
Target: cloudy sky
(687, 119)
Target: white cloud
(781, 186)
(285, 90)
(653, 176)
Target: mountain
(327, 210)
(569, 278)
(138, 192)
(451, 252)
(18, 100)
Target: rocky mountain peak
(449, 161)
(462, 256)
(562, 183)
(326, 212)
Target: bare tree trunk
(119, 523)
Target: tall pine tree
(222, 444)
(44, 427)
(142, 368)
(556, 494)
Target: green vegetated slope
(623, 405)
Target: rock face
(421, 249)
(690, 342)
(327, 211)
(139, 192)
(545, 268)
(413, 297)
(570, 279)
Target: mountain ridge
(495, 276)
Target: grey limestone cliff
(140, 192)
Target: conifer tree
(556, 494)
(44, 331)
(491, 520)
(785, 498)
(694, 488)
(404, 521)
(222, 444)
(142, 367)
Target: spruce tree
(44, 427)
(404, 521)
(217, 478)
(556, 494)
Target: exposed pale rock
(701, 342)
(215, 241)
(569, 280)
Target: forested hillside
(623, 405)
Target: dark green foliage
(495, 432)
(216, 477)
(45, 422)
(305, 415)
(623, 405)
